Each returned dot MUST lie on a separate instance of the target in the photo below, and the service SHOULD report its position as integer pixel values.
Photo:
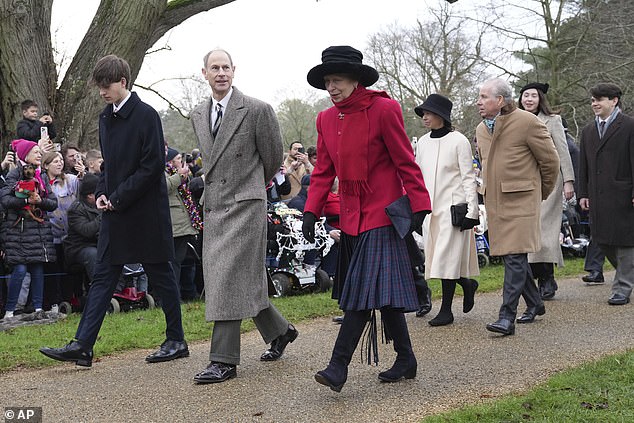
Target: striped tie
(214, 131)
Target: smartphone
(57, 146)
(301, 150)
(44, 132)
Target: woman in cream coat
(533, 99)
(444, 156)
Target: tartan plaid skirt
(376, 272)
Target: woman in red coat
(362, 141)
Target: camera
(189, 158)
(301, 150)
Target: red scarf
(355, 140)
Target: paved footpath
(457, 364)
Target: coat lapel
(614, 127)
(200, 119)
(231, 121)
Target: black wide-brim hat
(342, 60)
(437, 104)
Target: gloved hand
(308, 226)
(469, 224)
(417, 221)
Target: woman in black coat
(26, 230)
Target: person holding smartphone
(297, 165)
(30, 127)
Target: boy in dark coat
(135, 225)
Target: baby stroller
(575, 246)
(482, 240)
(131, 292)
(287, 249)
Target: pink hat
(22, 148)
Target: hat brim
(366, 75)
(420, 109)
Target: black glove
(417, 221)
(469, 223)
(308, 226)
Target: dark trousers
(518, 280)
(187, 287)
(161, 277)
(594, 258)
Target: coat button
(223, 181)
(226, 209)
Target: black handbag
(458, 213)
(400, 213)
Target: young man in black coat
(606, 177)
(135, 223)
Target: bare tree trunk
(27, 69)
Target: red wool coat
(390, 162)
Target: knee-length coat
(606, 177)
(447, 166)
(552, 207)
(244, 156)
(519, 168)
(139, 230)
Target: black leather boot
(335, 375)
(405, 365)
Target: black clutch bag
(400, 213)
(458, 213)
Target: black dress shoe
(216, 373)
(73, 351)
(618, 299)
(547, 288)
(594, 278)
(531, 312)
(424, 304)
(170, 350)
(337, 319)
(503, 326)
(279, 344)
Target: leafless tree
(28, 70)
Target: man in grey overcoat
(606, 178)
(241, 145)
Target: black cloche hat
(342, 59)
(436, 104)
(537, 85)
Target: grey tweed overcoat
(237, 164)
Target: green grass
(596, 392)
(138, 329)
(145, 329)
(600, 392)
